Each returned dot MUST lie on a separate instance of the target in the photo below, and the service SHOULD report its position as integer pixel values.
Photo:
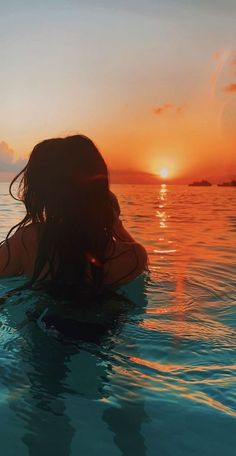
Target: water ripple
(167, 363)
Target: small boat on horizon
(202, 183)
(228, 184)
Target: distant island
(228, 184)
(203, 183)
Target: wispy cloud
(221, 57)
(179, 109)
(233, 59)
(7, 161)
(233, 63)
(230, 88)
(159, 110)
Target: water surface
(162, 380)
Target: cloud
(233, 59)
(230, 88)
(159, 110)
(233, 63)
(7, 161)
(179, 109)
(222, 57)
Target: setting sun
(164, 173)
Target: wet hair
(65, 190)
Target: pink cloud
(7, 160)
(230, 88)
(159, 110)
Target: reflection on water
(161, 380)
(161, 213)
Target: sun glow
(164, 173)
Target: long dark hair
(65, 190)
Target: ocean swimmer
(71, 241)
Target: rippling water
(161, 381)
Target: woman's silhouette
(71, 239)
(72, 244)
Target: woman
(71, 240)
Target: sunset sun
(164, 173)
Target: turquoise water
(160, 380)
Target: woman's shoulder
(14, 252)
(24, 237)
(29, 233)
(126, 262)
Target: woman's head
(61, 172)
(65, 190)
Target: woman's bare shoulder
(29, 241)
(127, 260)
(18, 253)
(23, 238)
(29, 233)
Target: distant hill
(141, 177)
(133, 177)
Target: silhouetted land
(228, 184)
(203, 183)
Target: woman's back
(125, 258)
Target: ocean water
(160, 379)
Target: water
(162, 382)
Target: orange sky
(153, 85)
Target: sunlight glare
(164, 173)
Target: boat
(203, 183)
(228, 184)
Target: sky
(152, 82)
